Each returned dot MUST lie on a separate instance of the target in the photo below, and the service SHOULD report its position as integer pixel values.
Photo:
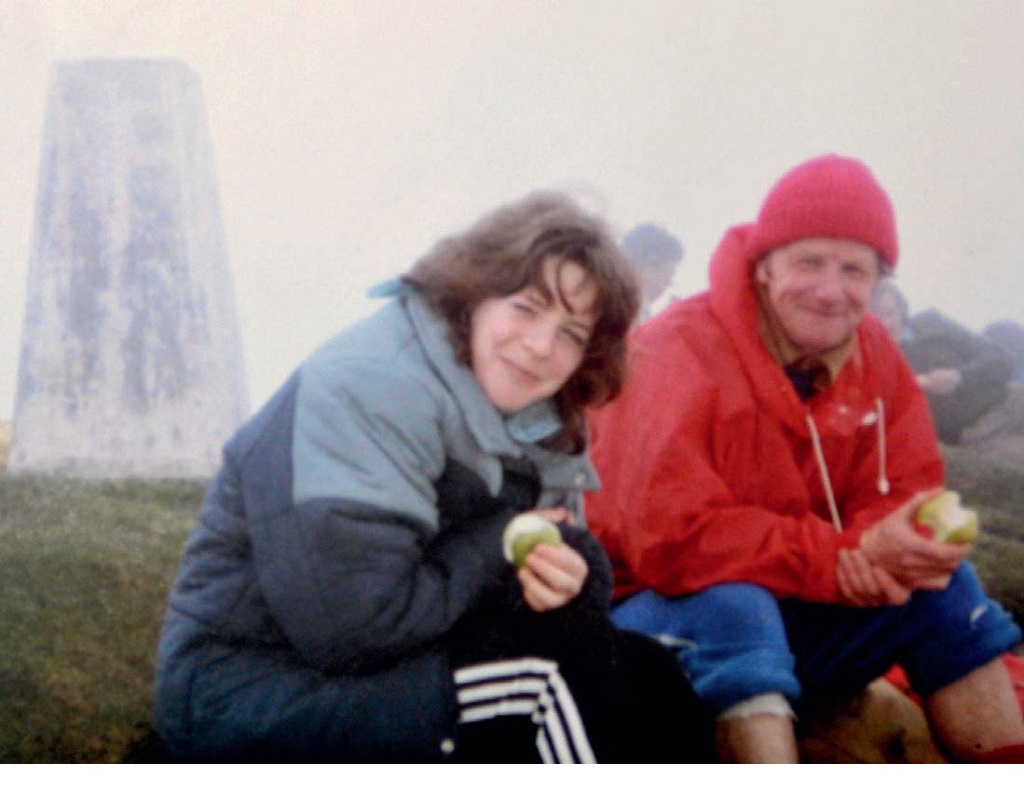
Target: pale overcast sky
(349, 136)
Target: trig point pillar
(131, 362)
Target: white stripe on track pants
(532, 687)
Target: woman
(344, 595)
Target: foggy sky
(350, 136)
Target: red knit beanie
(829, 196)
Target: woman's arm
(357, 569)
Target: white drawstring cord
(883, 480)
(826, 481)
(819, 456)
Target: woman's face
(526, 345)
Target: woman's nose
(539, 338)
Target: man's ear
(761, 272)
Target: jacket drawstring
(883, 480)
(819, 456)
(826, 481)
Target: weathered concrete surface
(131, 362)
(5, 442)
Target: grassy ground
(997, 491)
(85, 568)
(84, 572)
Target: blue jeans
(736, 640)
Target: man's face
(818, 290)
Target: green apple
(949, 521)
(523, 533)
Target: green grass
(85, 568)
(997, 492)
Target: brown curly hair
(504, 252)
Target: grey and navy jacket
(355, 520)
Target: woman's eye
(578, 338)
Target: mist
(350, 136)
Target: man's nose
(830, 284)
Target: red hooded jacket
(708, 461)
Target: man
(655, 254)
(966, 375)
(1009, 334)
(761, 471)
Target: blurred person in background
(1010, 335)
(655, 255)
(967, 376)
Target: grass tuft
(85, 567)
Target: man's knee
(730, 638)
(739, 611)
(964, 629)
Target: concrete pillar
(131, 362)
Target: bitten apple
(523, 533)
(949, 521)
